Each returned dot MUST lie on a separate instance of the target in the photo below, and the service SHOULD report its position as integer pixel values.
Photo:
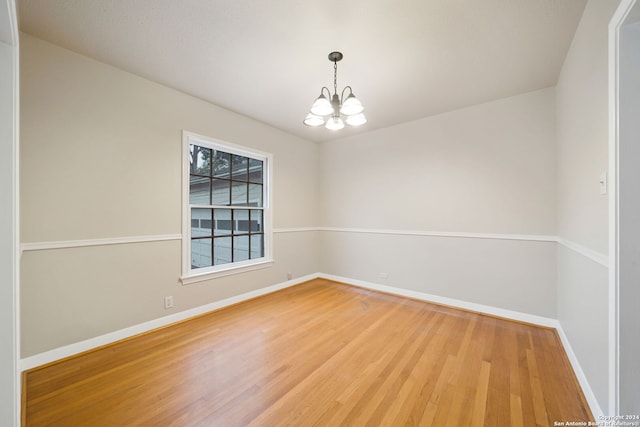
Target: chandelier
(329, 110)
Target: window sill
(195, 278)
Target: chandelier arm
(328, 91)
(342, 95)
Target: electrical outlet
(383, 275)
(289, 275)
(168, 302)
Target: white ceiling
(405, 59)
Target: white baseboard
(111, 337)
(72, 349)
(494, 311)
(596, 411)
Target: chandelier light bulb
(313, 120)
(334, 123)
(321, 106)
(351, 106)
(356, 120)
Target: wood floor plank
(317, 354)
(538, 396)
(516, 410)
(480, 402)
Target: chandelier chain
(335, 77)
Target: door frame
(616, 23)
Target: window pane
(200, 253)
(256, 221)
(239, 167)
(241, 221)
(221, 192)
(257, 246)
(200, 222)
(200, 160)
(221, 162)
(222, 221)
(255, 171)
(221, 250)
(199, 190)
(240, 248)
(255, 195)
(239, 193)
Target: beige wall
(101, 158)
(101, 150)
(583, 133)
(582, 137)
(483, 169)
(508, 274)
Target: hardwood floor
(322, 354)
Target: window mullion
(226, 207)
(233, 227)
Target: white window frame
(190, 275)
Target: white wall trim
(15, 200)
(466, 305)
(111, 337)
(65, 244)
(16, 223)
(196, 278)
(615, 24)
(598, 257)
(295, 229)
(596, 411)
(499, 236)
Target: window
(226, 215)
